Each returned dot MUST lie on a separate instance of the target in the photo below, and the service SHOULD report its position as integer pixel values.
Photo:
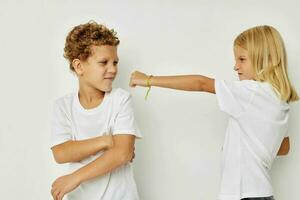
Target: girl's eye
(116, 63)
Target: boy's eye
(116, 63)
(103, 62)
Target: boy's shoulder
(64, 100)
(119, 93)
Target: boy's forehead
(104, 51)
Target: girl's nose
(236, 67)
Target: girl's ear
(76, 63)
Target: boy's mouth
(109, 78)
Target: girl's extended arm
(74, 151)
(184, 82)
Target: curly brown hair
(82, 37)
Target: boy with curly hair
(93, 129)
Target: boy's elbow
(58, 161)
(58, 158)
(124, 156)
(58, 155)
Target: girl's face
(243, 64)
(100, 69)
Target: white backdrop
(179, 156)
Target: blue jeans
(259, 198)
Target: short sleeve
(61, 126)
(234, 97)
(125, 121)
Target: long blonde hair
(268, 58)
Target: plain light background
(179, 156)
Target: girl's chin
(241, 77)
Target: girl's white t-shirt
(113, 116)
(258, 122)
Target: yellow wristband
(148, 84)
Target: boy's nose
(112, 69)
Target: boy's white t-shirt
(258, 122)
(113, 116)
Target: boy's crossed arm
(120, 154)
(75, 151)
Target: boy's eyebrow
(105, 58)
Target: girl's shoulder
(250, 84)
(239, 87)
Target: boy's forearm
(185, 82)
(110, 160)
(74, 151)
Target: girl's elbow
(198, 87)
(200, 84)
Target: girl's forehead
(240, 51)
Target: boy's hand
(138, 79)
(64, 185)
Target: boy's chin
(106, 89)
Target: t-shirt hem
(217, 86)
(127, 132)
(256, 195)
(244, 195)
(57, 142)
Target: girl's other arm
(285, 147)
(184, 82)
(75, 151)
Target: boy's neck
(90, 97)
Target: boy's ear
(76, 63)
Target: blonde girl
(258, 109)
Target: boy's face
(100, 68)
(243, 64)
